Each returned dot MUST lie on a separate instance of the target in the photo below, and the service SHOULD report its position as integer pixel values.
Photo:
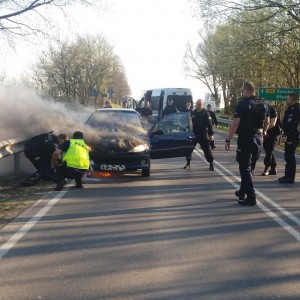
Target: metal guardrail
(224, 122)
(13, 147)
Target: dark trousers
(41, 161)
(269, 146)
(290, 159)
(205, 145)
(70, 173)
(247, 154)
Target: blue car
(172, 136)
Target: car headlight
(139, 148)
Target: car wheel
(146, 172)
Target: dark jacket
(252, 112)
(290, 122)
(169, 109)
(213, 117)
(202, 122)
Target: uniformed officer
(203, 130)
(270, 141)
(251, 120)
(169, 109)
(188, 108)
(214, 121)
(290, 138)
(75, 161)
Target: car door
(172, 136)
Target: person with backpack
(270, 142)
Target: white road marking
(291, 230)
(26, 227)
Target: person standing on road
(270, 141)
(188, 108)
(214, 123)
(203, 131)
(75, 161)
(251, 120)
(290, 137)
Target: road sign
(276, 94)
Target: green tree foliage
(256, 41)
(70, 70)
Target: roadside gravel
(15, 198)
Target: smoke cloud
(24, 114)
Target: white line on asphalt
(269, 212)
(27, 226)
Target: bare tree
(81, 70)
(27, 17)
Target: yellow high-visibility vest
(77, 156)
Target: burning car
(119, 142)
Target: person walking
(270, 141)
(214, 121)
(203, 131)
(251, 120)
(290, 137)
(74, 154)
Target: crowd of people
(256, 123)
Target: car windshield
(177, 122)
(116, 120)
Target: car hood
(115, 142)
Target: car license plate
(106, 167)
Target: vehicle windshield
(115, 120)
(177, 122)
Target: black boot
(273, 171)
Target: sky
(150, 38)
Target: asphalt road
(178, 234)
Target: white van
(158, 98)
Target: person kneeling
(74, 155)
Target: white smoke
(24, 114)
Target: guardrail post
(17, 164)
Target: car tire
(146, 172)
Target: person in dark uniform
(146, 111)
(39, 150)
(169, 109)
(214, 123)
(270, 141)
(290, 137)
(251, 120)
(188, 108)
(203, 131)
